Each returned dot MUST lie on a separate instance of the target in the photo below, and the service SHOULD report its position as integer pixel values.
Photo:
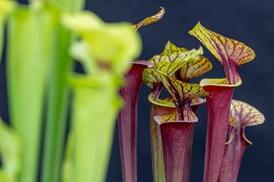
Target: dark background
(250, 21)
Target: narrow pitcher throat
(231, 72)
(185, 112)
(175, 112)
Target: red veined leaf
(229, 52)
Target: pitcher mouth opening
(167, 102)
(219, 82)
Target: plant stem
(127, 124)
(157, 145)
(57, 108)
(29, 51)
(218, 104)
(177, 140)
(93, 131)
(58, 97)
(172, 140)
(233, 155)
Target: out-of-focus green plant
(106, 51)
(30, 50)
(10, 151)
(58, 92)
(39, 62)
(6, 7)
(40, 36)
